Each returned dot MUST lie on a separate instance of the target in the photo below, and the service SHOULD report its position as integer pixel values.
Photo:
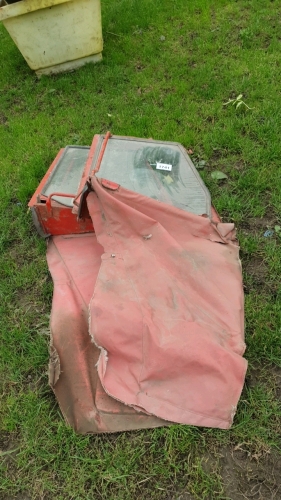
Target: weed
(237, 102)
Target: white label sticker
(164, 166)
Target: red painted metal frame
(54, 218)
(107, 136)
(62, 221)
(86, 172)
(49, 199)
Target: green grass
(171, 89)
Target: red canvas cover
(167, 309)
(147, 317)
(74, 262)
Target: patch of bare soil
(257, 276)
(250, 477)
(8, 450)
(258, 225)
(5, 439)
(269, 377)
(3, 119)
(257, 269)
(243, 475)
(8, 447)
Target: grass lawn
(168, 68)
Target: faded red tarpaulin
(165, 318)
(74, 262)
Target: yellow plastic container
(55, 35)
